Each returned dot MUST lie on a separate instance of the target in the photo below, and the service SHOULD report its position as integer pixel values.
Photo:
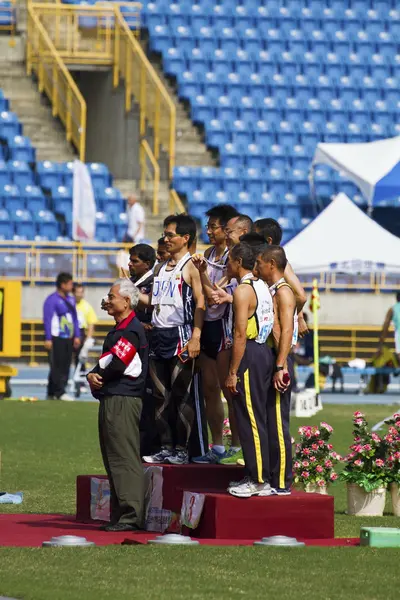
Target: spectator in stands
(392, 315)
(61, 330)
(142, 258)
(118, 382)
(136, 220)
(162, 253)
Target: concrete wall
(112, 134)
(336, 309)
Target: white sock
(236, 448)
(219, 449)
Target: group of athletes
(220, 325)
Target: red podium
(300, 515)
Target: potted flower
(365, 471)
(315, 459)
(392, 439)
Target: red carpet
(31, 530)
(300, 515)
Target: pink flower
(321, 483)
(357, 448)
(350, 456)
(292, 440)
(317, 432)
(379, 462)
(367, 447)
(389, 439)
(333, 476)
(321, 442)
(358, 422)
(357, 438)
(328, 464)
(330, 446)
(306, 452)
(376, 437)
(319, 469)
(305, 474)
(358, 463)
(313, 459)
(358, 414)
(324, 425)
(308, 434)
(297, 465)
(305, 463)
(397, 423)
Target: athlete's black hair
(246, 253)
(222, 212)
(276, 253)
(269, 228)
(145, 252)
(185, 225)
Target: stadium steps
(34, 112)
(190, 149)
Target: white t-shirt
(136, 217)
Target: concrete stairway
(32, 108)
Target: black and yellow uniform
(278, 413)
(254, 378)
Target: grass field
(45, 445)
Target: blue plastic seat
(20, 173)
(160, 38)
(48, 174)
(232, 155)
(99, 267)
(173, 61)
(100, 174)
(6, 233)
(21, 149)
(24, 225)
(9, 125)
(5, 177)
(34, 198)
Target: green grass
(45, 445)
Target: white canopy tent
(342, 238)
(373, 166)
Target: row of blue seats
(19, 148)
(14, 264)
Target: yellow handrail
(146, 153)
(55, 80)
(175, 203)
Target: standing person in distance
(271, 265)
(62, 335)
(136, 220)
(392, 316)
(216, 340)
(118, 381)
(250, 370)
(178, 312)
(87, 317)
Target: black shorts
(212, 338)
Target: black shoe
(120, 527)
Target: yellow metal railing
(8, 13)
(343, 343)
(55, 80)
(150, 174)
(100, 35)
(175, 203)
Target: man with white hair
(118, 382)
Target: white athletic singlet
(216, 270)
(260, 324)
(273, 289)
(172, 297)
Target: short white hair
(128, 290)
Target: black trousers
(280, 443)
(60, 358)
(119, 437)
(174, 402)
(250, 406)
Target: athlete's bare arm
(301, 297)
(243, 306)
(192, 277)
(285, 309)
(144, 300)
(200, 263)
(385, 327)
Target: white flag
(84, 204)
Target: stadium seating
(36, 197)
(267, 81)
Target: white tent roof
(343, 238)
(372, 166)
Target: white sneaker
(247, 488)
(67, 398)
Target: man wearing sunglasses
(177, 319)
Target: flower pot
(395, 494)
(365, 504)
(313, 488)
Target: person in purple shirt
(61, 332)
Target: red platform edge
(31, 530)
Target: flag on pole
(315, 305)
(83, 205)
